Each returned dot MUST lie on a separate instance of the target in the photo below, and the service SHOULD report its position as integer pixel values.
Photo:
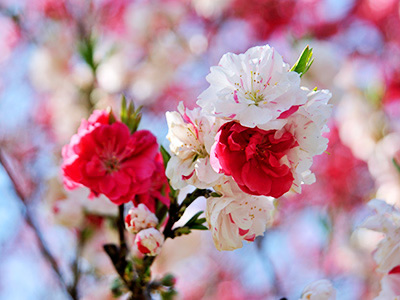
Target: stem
(139, 286)
(30, 222)
(118, 254)
(73, 289)
(121, 227)
(175, 212)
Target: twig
(175, 212)
(73, 289)
(29, 221)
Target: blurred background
(60, 59)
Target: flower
(319, 290)
(109, 160)
(158, 190)
(139, 218)
(271, 162)
(149, 241)
(236, 216)
(253, 88)
(308, 124)
(191, 134)
(387, 221)
(253, 157)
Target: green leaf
(200, 221)
(129, 116)
(199, 227)
(304, 62)
(165, 156)
(117, 287)
(111, 118)
(181, 231)
(396, 165)
(131, 109)
(123, 114)
(193, 219)
(129, 268)
(86, 49)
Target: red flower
(109, 160)
(252, 157)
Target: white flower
(139, 218)
(387, 221)
(149, 241)
(307, 125)
(191, 135)
(319, 290)
(237, 216)
(254, 88)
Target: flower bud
(149, 241)
(139, 218)
(319, 290)
(168, 280)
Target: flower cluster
(142, 222)
(111, 159)
(253, 136)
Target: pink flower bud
(139, 218)
(149, 241)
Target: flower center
(256, 97)
(112, 164)
(253, 89)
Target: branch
(73, 289)
(175, 212)
(29, 221)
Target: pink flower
(109, 160)
(252, 156)
(149, 241)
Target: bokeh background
(60, 59)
